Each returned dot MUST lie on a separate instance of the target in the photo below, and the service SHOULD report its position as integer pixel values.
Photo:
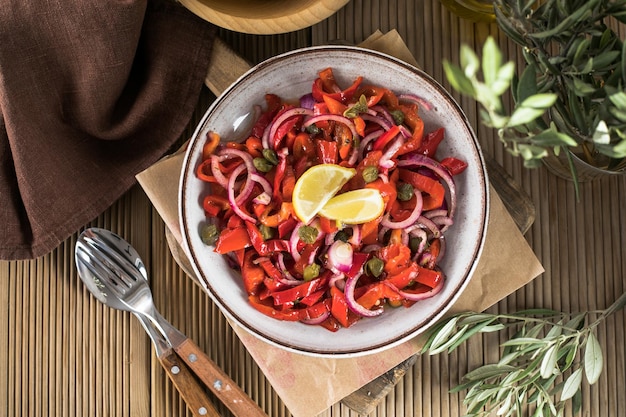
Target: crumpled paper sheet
(507, 263)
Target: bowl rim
(436, 314)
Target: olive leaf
(593, 359)
(572, 384)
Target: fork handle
(227, 390)
(189, 388)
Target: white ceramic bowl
(290, 76)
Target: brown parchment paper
(507, 263)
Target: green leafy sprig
(541, 366)
(571, 93)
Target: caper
(398, 116)
(262, 164)
(370, 174)
(308, 234)
(312, 129)
(266, 231)
(405, 191)
(209, 234)
(271, 156)
(375, 266)
(310, 272)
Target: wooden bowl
(264, 17)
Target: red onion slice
(351, 301)
(231, 195)
(409, 221)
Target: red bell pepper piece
(435, 190)
(286, 227)
(298, 292)
(213, 140)
(213, 204)
(265, 307)
(453, 165)
(404, 276)
(428, 277)
(278, 179)
(396, 258)
(232, 240)
(358, 260)
(339, 306)
(327, 85)
(376, 294)
(273, 103)
(326, 151)
(253, 275)
(305, 254)
(431, 142)
(265, 247)
(386, 137)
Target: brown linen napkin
(91, 93)
(507, 263)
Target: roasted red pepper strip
(213, 204)
(428, 277)
(273, 104)
(298, 292)
(386, 137)
(435, 190)
(431, 142)
(213, 139)
(265, 247)
(326, 151)
(339, 306)
(253, 275)
(453, 165)
(232, 240)
(376, 294)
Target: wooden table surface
(64, 354)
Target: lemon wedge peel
(354, 207)
(316, 186)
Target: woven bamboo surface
(64, 354)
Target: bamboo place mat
(64, 354)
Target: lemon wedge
(354, 207)
(316, 186)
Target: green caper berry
(308, 234)
(312, 129)
(262, 164)
(271, 156)
(342, 235)
(266, 232)
(405, 191)
(375, 267)
(414, 243)
(209, 234)
(370, 174)
(310, 272)
(398, 116)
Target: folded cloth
(91, 93)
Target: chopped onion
(385, 160)
(366, 141)
(293, 242)
(351, 301)
(307, 101)
(288, 278)
(340, 256)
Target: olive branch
(548, 346)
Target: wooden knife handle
(189, 388)
(224, 388)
